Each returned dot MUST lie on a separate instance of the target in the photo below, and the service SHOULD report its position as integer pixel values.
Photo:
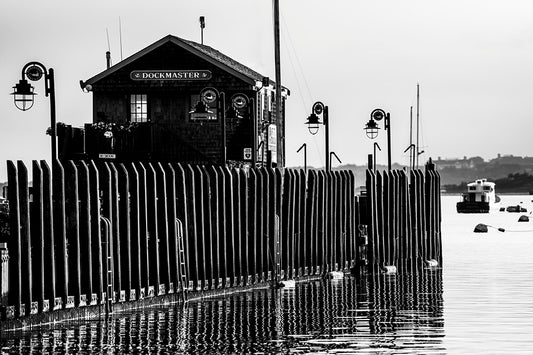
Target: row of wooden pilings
(103, 234)
(404, 218)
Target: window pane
(139, 108)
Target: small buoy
(389, 269)
(481, 228)
(502, 209)
(288, 284)
(336, 275)
(523, 218)
(432, 263)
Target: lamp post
(304, 147)
(372, 127)
(23, 95)
(313, 124)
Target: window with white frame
(138, 108)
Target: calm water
(479, 303)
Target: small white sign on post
(247, 153)
(273, 141)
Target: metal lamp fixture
(372, 128)
(211, 97)
(200, 108)
(313, 124)
(23, 95)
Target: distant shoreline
(497, 193)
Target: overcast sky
(472, 58)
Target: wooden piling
(60, 231)
(245, 233)
(163, 222)
(96, 235)
(124, 219)
(48, 228)
(172, 226)
(135, 229)
(72, 220)
(15, 240)
(37, 234)
(153, 229)
(85, 223)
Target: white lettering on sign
(170, 75)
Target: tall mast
(417, 121)
(411, 152)
(280, 124)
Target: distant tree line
(519, 182)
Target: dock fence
(89, 233)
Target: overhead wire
(298, 73)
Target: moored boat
(479, 197)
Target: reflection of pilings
(405, 299)
(406, 311)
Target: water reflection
(377, 314)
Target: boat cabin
(478, 198)
(480, 191)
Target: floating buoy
(432, 263)
(389, 269)
(481, 228)
(288, 284)
(336, 275)
(523, 218)
(502, 209)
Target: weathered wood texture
(104, 232)
(403, 215)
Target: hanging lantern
(371, 129)
(23, 95)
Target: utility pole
(280, 128)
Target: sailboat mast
(411, 152)
(417, 122)
(280, 124)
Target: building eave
(195, 48)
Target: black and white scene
(266, 177)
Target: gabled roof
(205, 52)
